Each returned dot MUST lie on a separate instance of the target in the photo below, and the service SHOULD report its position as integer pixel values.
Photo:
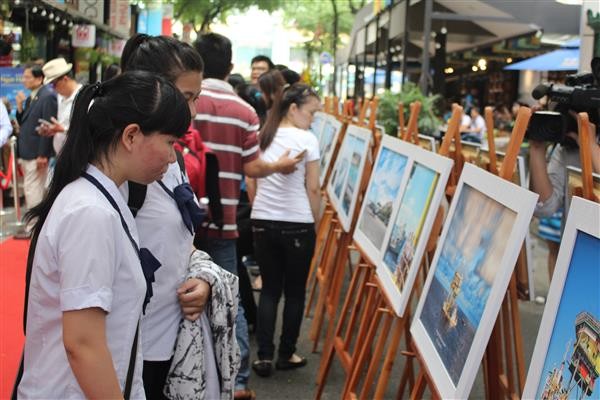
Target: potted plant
(387, 111)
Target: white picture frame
(389, 172)
(429, 141)
(316, 127)
(346, 175)
(522, 180)
(475, 257)
(330, 132)
(569, 303)
(412, 218)
(575, 174)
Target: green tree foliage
(202, 13)
(323, 20)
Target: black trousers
(283, 251)
(154, 376)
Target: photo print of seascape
(572, 360)
(317, 124)
(464, 275)
(326, 144)
(355, 149)
(383, 191)
(399, 250)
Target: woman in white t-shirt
(284, 213)
(87, 275)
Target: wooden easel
(324, 238)
(330, 272)
(411, 134)
(585, 137)
(401, 126)
(504, 352)
(385, 318)
(376, 313)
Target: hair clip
(97, 90)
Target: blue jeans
(223, 253)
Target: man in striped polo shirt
(228, 126)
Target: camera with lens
(581, 93)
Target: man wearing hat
(59, 74)
(34, 150)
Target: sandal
(244, 394)
(287, 364)
(263, 368)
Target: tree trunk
(334, 41)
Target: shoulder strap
(180, 161)
(213, 190)
(137, 196)
(131, 368)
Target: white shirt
(282, 197)
(83, 259)
(163, 232)
(477, 123)
(65, 105)
(5, 125)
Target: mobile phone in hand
(300, 155)
(44, 122)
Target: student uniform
(163, 232)
(83, 259)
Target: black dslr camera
(581, 93)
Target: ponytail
(73, 157)
(100, 113)
(298, 94)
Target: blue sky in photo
(581, 292)
(387, 176)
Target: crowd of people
(145, 193)
(135, 187)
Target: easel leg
(388, 363)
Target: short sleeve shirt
(83, 259)
(228, 126)
(163, 232)
(282, 197)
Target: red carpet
(13, 261)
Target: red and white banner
(83, 36)
(120, 16)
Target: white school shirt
(163, 232)
(282, 197)
(83, 259)
(65, 105)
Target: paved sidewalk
(300, 384)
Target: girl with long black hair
(88, 278)
(284, 211)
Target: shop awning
(557, 60)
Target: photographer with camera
(548, 179)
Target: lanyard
(148, 262)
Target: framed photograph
(348, 168)
(317, 124)
(413, 215)
(574, 180)
(387, 182)
(330, 133)
(428, 143)
(469, 276)
(566, 357)
(471, 151)
(520, 178)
